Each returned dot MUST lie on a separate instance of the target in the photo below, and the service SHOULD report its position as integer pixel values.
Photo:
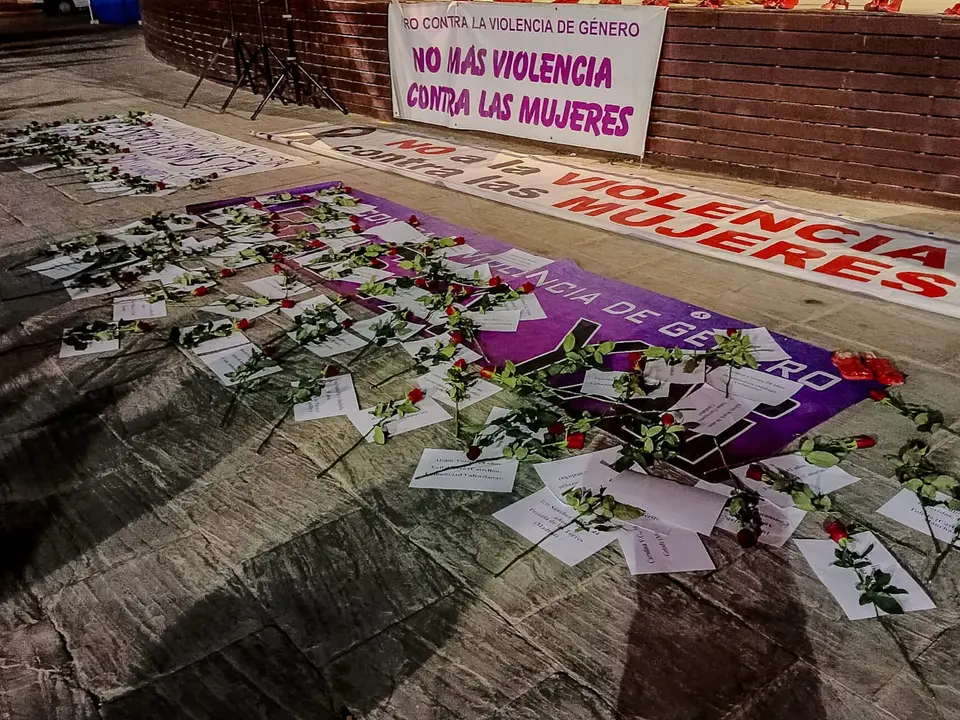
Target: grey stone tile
(344, 582)
(37, 680)
(161, 612)
(453, 659)
(261, 677)
(18, 608)
(906, 697)
(652, 651)
(561, 698)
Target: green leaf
(801, 500)
(821, 458)
(888, 604)
(569, 343)
(807, 446)
(379, 437)
(913, 484)
(922, 419)
(606, 348)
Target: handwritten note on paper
(136, 307)
(754, 386)
(587, 470)
(495, 320)
(777, 523)
(711, 411)
(659, 371)
(271, 287)
(842, 582)
(904, 507)
(541, 515)
(435, 385)
(821, 480)
(429, 412)
(338, 397)
(648, 552)
(489, 475)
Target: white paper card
(137, 308)
(397, 232)
(842, 582)
(541, 515)
(586, 470)
(367, 328)
(429, 412)
(462, 353)
(344, 342)
(78, 293)
(97, 346)
(224, 362)
(435, 385)
(496, 320)
(338, 397)
(244, 313)
(776, 523)
(521, 259)
(59, 267)
(659, 371)
(600, 382)
(496, 475)
(529, 307)
(764, 347)
(904, 507)
(711, 410)
(648, 552)
(821, 480)
(235, 339)
(752, 385)
(668, 502)
(297, 310)
(271, 287)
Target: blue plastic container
(116, 12)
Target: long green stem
(456, 467)
(926, 517)
(274, 428)
(533, 547)
(942, 555)
(342, 455)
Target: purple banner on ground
(597, 309)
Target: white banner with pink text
(569, 74)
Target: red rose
(242, 324)
(487, 371)
(836, 530)
(414, 221)
(731, 332)
(125, 150)
(755, 472)
(575, 441)
(331, 371)
(347, 189)
(494, 281)
(114, 169)
(527, 288)
(144, 326)
(450, 311)
(316, 243)
(667, 419)
(636, 360)
(456, 337)
(277, 269)
(557, 428)
(227, 272)
(149, 124)
(277, 257)
(878, 395)
(421, 283)
(865, 441)
(392, 251)
(270, 350)
(467, 290)
(214, 176)
(455, 288)
(473, 452)
(256, 205)
(200, 291)
(459, 241)
(460, 364)
(347, 324)
(353, 219)
(275, 217)
(415, 395)
(275, 228)
(161, 185)
(287, 303)
(746, 538)
(304, 198)
(356, 228)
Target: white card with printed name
(434, 385)
(337, 397)
(659, 371)
(529, 307)
(648, 552)
(489, 475)
(429, 412)
(136, 307)
(764, 347)
(335, 345)
(59, 267)
(363, 275)
(821, 480)
(842, 582)
(82, 293)
(541, 515)
(904, 507)
(234, 339)
(589, 470)
(247, 309)
(710, 412)
(753, 386)
(776, 523)
(368, 328)
(272, 287)
(667, 502)
(226, 362)
(495, 320)
(462, 353)
(298, 309)
(400, 233)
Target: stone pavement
(155, 567)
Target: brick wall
(849, 103)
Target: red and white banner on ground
(904, 266)
(580, 76)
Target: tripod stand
(292, 71)
(239, 58)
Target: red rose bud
(149, 124)
(415, 395)
(731, 332)
(746, 538)
(450, 311)
(414, 221)
(125, 150)
(473, 452)
(392, 251)
(878, 395)
(667, 419)
(270, 350)
(277, 269)
(287, 303)
(304, 198)
(755, 472)
(409, 316)
(347, 324)
(456, 337)
(144, 326)
(354, 219)
(214, 176)
(865, 441)
(277, 257)
(575, 441)
(556, 429)
(242, 324)
(316, 243)
(487, 372)
(460, 364)
(114, 169)
(331, 371)
(356, 228)
(836, 530)
(347, 189)
(459, 241)
(421, 283)
(494, 281)
(275, 217)
(227, 272)
(161, 185)
(275, 228)
(256, 205)
(200, 291)
(527, 288)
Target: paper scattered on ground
(495, 320)
(338, 397)
(711, 410)
(429, 412)
(344, 342)
(529, 307)
(81, 293)
(270, 287)
(362, 275)
(97, 346)
(297, 310)
(585, 470)
(521, 260)
(753, 386)
(435, 385)
(904, 507)
(648, 552)
(842, 582)
(667, 502)
(235, 339)
(541, 515)
(764, 347)
(400, 233)
(367, 328)
(659, 371)
(777, 523)
(463, 352)
(136, 307)
(494, 475)
(821, 480)
(60, 267)
(224, 362)
(244, 313)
